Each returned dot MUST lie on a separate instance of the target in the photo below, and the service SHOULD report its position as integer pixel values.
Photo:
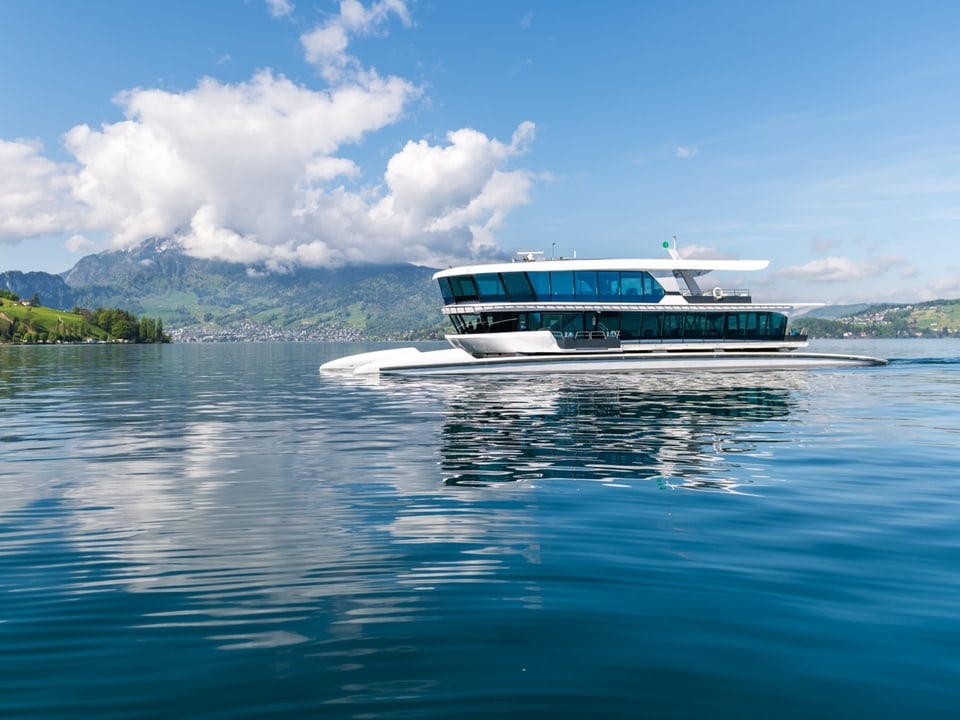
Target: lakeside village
(937, 319)
(250, 331)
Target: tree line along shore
(28, 322)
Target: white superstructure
(612, 315)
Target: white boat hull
(410, 361)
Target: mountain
(158, 279)
(51, 288)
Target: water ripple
(215, 532)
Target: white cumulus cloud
(35, 193)
(701, 252)
(79, 244)
(253, 171)
(279, 8)
(841, 269)
(326, 45)
(245, 150)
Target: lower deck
(547, 342)
(645, 326)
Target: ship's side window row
(649, 326)
(545, 286)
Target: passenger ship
(537, 315)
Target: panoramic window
(464, 289)
(561, 286)
(735, 323)
(518, 287)
(643, 326)
(777, 326)
(609, 321)
(585, 285)
(630, 326)
(713, 325)
(640, 286)
(693, 326)
(446, 291)
(540, 282)
(608, 286)
(502, 322)
(465, 323)
(489, 288)
(552, 321)
(572, 323)
(631, 285)
(672, 326)
(650, 326)
(529, 321)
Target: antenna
(528, 255)
(674, 253)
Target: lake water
(219, 531)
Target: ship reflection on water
(677, 430)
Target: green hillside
(210, 299)
(28, 323)
(936, 318)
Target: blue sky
(824, 136)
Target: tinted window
(572, 324)
(672, 326)
(652, 290)
(445, 290)
(609, 321)
(608, 286)
(463, 288)
(585, 283)
(552, 321)
(777, 326)
(630, 325)
(693, 326)
(735, 325)
(518, 287)
(490, 288)
(530, 321)
(713, 328)
(540, 282)
(561, 285)
(650, 327)
(640, 287)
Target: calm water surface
(219, 531)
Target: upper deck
(655, 266)
(617, 280)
